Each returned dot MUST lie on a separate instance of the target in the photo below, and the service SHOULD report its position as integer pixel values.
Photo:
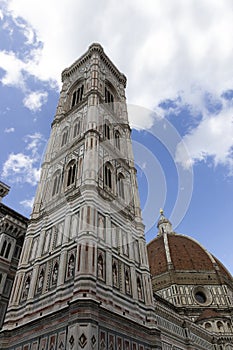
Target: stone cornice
(95, 47)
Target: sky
(178, 59)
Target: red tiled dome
(181, 253)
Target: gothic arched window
(8, 250)
(106, 131)
(56, 183)
(3, 248)
(120, 185)
(109, 97)
(108, 175)
(117, 139)
(64, 137)
(77, 96)
(76, 128)
(71, 172)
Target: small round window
(200, 297)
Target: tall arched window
(107, 131)
(108, 175)
(71, 172)
(109, 97)
(8, 250)
(64, 137)
(3, 248)
(117, 139)
(77, 96)
(56, 183)
(120, 185)
(76, 129)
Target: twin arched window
(77, 96)
(107, 135)
(109, 97)
(108, 180)
(71, 171)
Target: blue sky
(177, 57)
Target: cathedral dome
(181, 253)
(179, 259)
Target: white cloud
(163, 46)
(19, 168)
(213, 138)
(34, 142)
(8, 130)
(27, 203)
(13, 68)
(166, 48)
(25, 167)
(35, 100)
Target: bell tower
(83, 280)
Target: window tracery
(109, 98)
(77, 96)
